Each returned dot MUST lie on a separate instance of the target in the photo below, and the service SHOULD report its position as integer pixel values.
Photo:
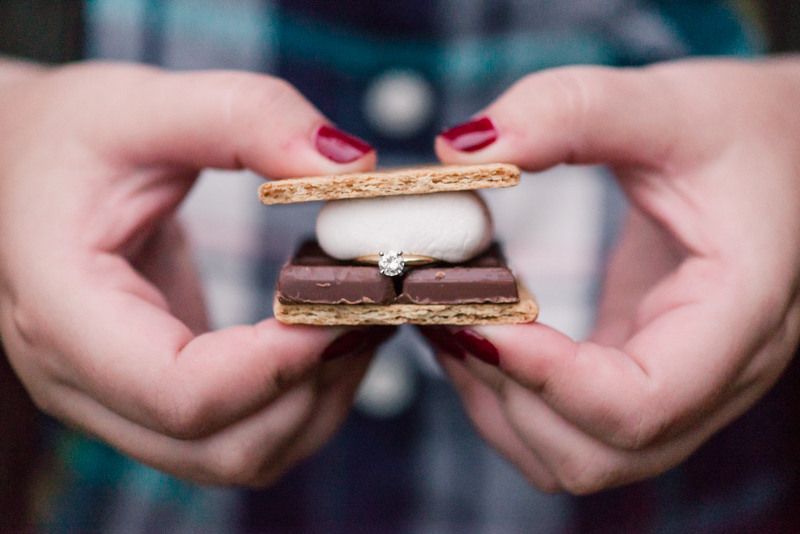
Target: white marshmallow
(450, 226)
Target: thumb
(216, 119)
(579, 115)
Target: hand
(700, 309)
(100, 310)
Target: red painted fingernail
(471, 136)
(478, 346)
(442, 339)
(339, 146)
(357, 341)
(351, 342)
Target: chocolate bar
(313, 277)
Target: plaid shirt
(407, 460)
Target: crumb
(439, 275)
(326, 284)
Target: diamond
(391, 263)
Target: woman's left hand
(700, 313)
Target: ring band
(408, 259)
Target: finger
(676, 167)
(580, 463)
(579, 115)
(165, 261)
(116, 341)
(204, 119)
(98, 326)
(574, 459)
(644, 255)
(337, 385)
(486, 413)
(238, 454)
(683, 360)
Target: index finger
(583, 115)
(695, 345)
(220, 119)
(110, 334)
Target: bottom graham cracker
(524, 311)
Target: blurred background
(394, 73)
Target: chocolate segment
(334, 284)
(313, 277)
(459, 285)
(484, 279)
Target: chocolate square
(313, 277)
(325, 284)
(459, 285)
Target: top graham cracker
(407, 181)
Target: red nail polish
(339, 146)
(351, 342)
(357, 341)
(478, 346)
(442, 339)
(471, 136)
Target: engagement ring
(393, 263)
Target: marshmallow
(449, 226)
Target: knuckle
(253, 96)
(27, 325)
(179, 414)
(640, 427)
(548, 484)
(279, 382)
(255, 100)
(234, 464)
(33, 350)
(584, 475)
(279, 379)
(575, 93)
(177, 423)
(45, 400)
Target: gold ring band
(408, 259)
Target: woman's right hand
(101, 314)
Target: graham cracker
(407, 181)
(524, 311)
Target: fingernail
(478, 346)
(339, 146)
(351, 342)
(471, 136)
(357, 340)
(442, 339)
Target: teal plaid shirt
(424, 469)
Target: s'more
(411, 245)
